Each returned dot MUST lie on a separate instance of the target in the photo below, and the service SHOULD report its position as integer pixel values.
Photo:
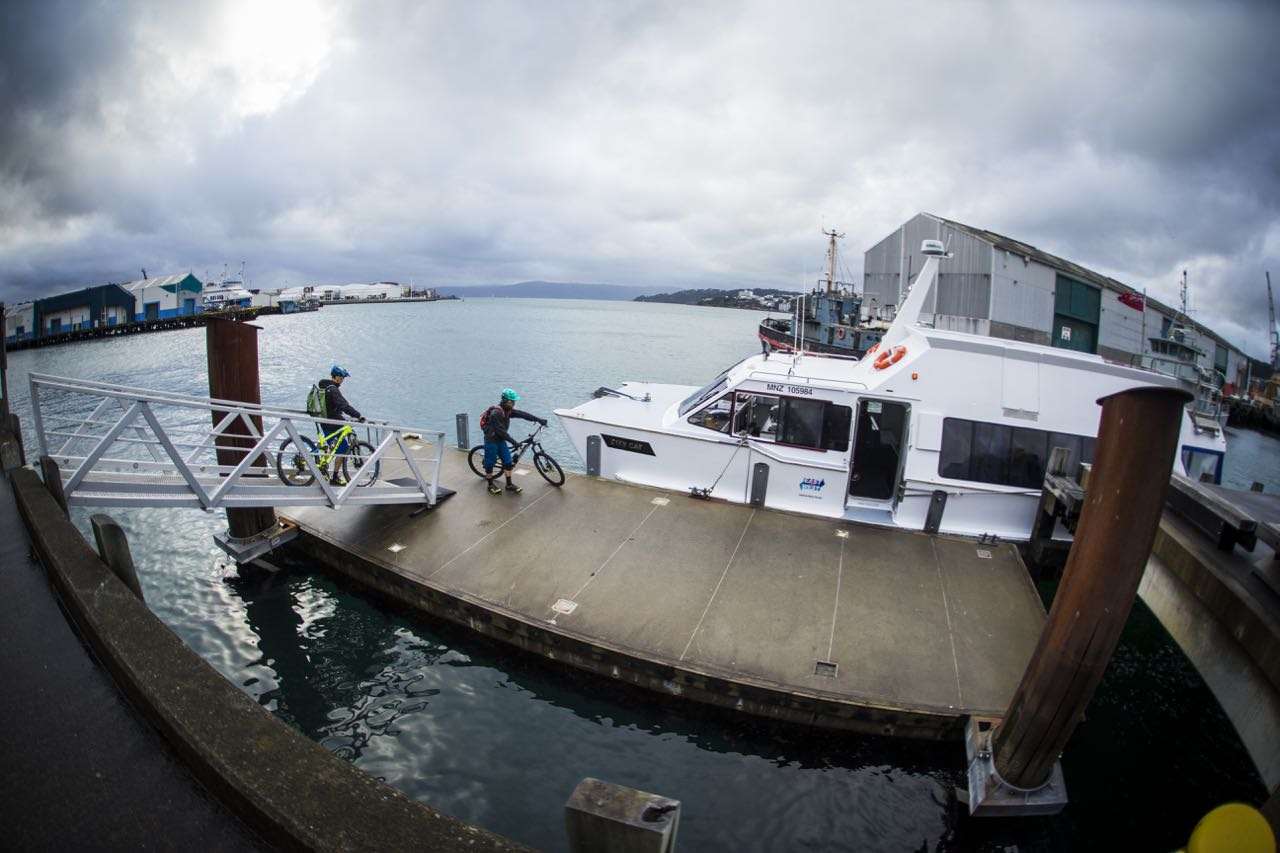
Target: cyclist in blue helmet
(335, 408)
(497, 441)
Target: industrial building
(166, 296)
(19, 322)
(994, 285)
(89, 308)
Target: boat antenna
(909, 314)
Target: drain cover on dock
(565, 606)
(825, 668)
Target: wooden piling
(1122, 508)
(602, 817)
(233, 375)
(113, 547)
(52, 477)
(4, 372)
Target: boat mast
(1275, 335)
(831, 259)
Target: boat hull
(782, 340)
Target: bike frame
(527, 442)
(334, 440)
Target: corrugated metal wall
(1017, 295)
(964, 280)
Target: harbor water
(500, 738)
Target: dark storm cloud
(665, 144)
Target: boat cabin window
(817, 424)
(757, 416)
(716, 416)
(1202, 464)
(706, 392)
(1005, 455)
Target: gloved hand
(362, 419)
(542, 421)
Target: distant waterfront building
(343, 292)
(167, 296)
(19, 322)
(89, 308)
(995, 285)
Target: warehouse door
(152, 311)
(1077, 308)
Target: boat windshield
(706, 392)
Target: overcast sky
(682, 144)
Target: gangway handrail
(180, 471)
(207, 403)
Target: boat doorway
(877, 449)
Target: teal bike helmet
(510, 395)
(338, 371)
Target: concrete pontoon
(775, 614)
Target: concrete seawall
(291, 790)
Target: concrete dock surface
(712, 600)
(82, 770)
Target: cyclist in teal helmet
(497, 441)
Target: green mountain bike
(291, 461)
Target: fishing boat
(1174, 353)
(959, 423)
(828, 319)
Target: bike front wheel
(358, 467)
(548, 468)
(291, 462)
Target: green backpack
(316, 403)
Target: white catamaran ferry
(873, 441)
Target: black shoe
(494, 490)
(512, 487)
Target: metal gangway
(130, 447)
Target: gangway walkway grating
(122, 446)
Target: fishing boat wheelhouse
(929, 417)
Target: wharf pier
(138, 327)
(779, 615)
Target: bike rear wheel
(358, 467)
(548, 468)
(476, 460)
(291, 462)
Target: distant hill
(548, 290)
(719, 298)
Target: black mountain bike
(547, 467)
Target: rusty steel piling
(1118, 522)
(233, 375)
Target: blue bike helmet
(508, 394)
(338, 371)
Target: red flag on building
(1133, 300)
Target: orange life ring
(840, 332)
(888, 357)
